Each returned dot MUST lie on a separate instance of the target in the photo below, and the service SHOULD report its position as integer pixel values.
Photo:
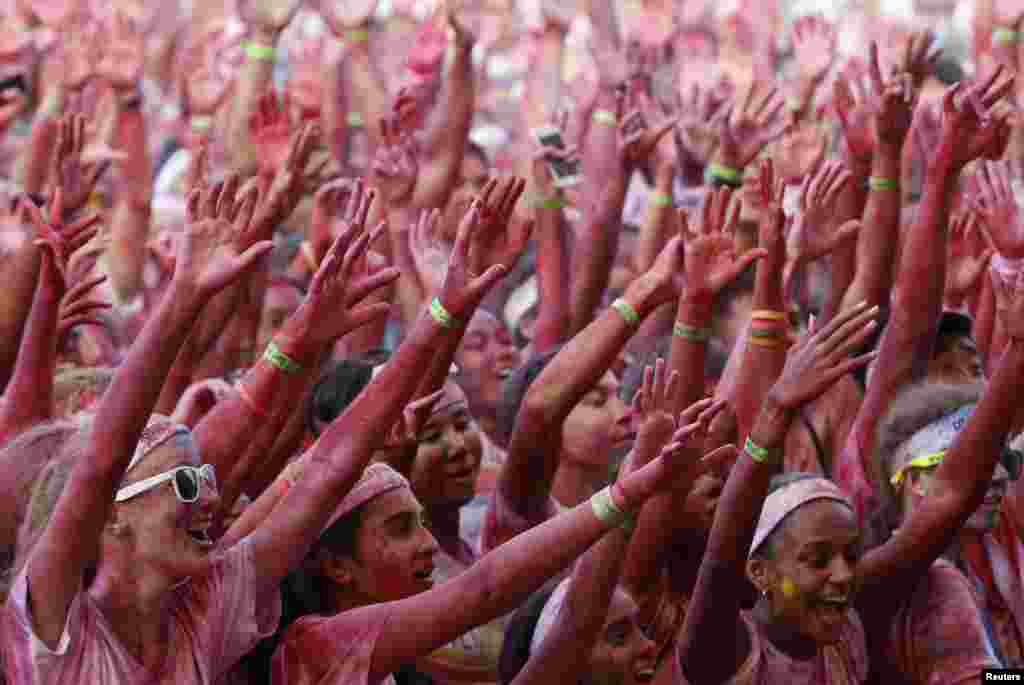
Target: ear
(761, 574)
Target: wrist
(263, 35)
(695, 306)
(643, 296)
(772, 423)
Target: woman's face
(394, 549)
(168, 536)
(485, 359)
(984, 518)
(811, 577)
(447, 461)
(599, 424)
(622, 654)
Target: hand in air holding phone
(562, 163)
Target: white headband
(547, 617)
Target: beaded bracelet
(626, 310)
(262, 53)
(606, 510)
(605, 117)
(762, 455)
(441, 315)
(282, 361)
(661, 200)
(880, 183)
(691, 333)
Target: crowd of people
(465, 343)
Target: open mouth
(644, 675)
(505, 373)
(425, 574)
(201, 535)
(834, 609)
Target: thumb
(250, 257)
(480, 286)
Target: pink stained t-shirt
(329, 650)
(216, 620)
(845, 663)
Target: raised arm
(713, 624)
(203, 267)
(482, 251)
(28, 398)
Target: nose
(428, 543)
(622, 414)
(646, 649)
(841, 573)
(455, 442)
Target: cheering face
(447, 462)
(622, 654)
(984, 518)
(598, 426)
(165, 535)
(394, 550)
(485, 359)
(811, 575)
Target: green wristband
(725, 173)
(554, 202)
(262, 53)
(282, 361)
(605, 509)
(626, 310)
(762, 455)
(357, 36)
(355, 120)
(880, 183)
(441, 315)
(691, 333)
(201, 123)
(603, 116)
(1004, 36)
(661, 200)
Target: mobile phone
(566, 173)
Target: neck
(575, 483)
(782, 635)
(136, 603)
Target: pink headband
(376, 480)
(788, 499)
(158, 430)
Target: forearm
(126, 256)
(525, 481)
(843, 260)
(254, 80)
(20, 272)
(446, 149)
(335, 107)
(28, 398)
(877, 244)
(544, 80)
(366, 91)
(33, 163)
(984, 324)
(552, 325)
(659, 222)
(688, 353)
(594, 251)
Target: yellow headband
(925, 461)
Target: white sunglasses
(187, 481)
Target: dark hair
(948, 71)
(338, 387)
(474, 150)
(952, 325)
(514, 391)
(515, 648)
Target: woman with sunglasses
(124, 584)
(967, 615)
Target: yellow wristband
(773, 343)
(555, 202)
(441, 315)
(357, 36)
(769, 314)
(1004, 36)
(880, 183)
(262, 53)
(691, 333)
(606, 118)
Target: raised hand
(57, 239)
(124, 55)
(335, 305)
(801, 150)
(1010, 291)
(710, 256)
(966, 260)
(76, 309)
(199, 399)
(328, 202)
(750, 126)
(406, 432)
(271, 130)
(480, 257)
(268, 17)
(814, 233)
(997, 209)
(430, 252)
(545, 156)
(395, 165)
(345, 15)
(895, 110)
(855, 106)
(290, 181)
(814, 46)
(919, 58)
(701, 113)
(208, 258)
(67, 169)
(820, 358)
(970, 127)
(636, 140)
(80, 50)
